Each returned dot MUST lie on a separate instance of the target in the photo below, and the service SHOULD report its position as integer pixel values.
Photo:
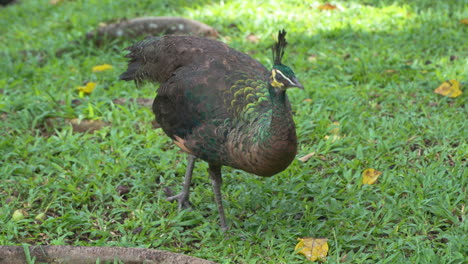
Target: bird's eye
(279, 76)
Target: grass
(372, 66)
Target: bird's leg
(215, 175)
(183, 197)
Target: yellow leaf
(88, 88)
(19, 214)
(370, 176)
(449, 88)
(327, 6)
(103, 67)
(312, 248)
(335, 128)
(464, 21)
(333, 138)
(86, 126)
(312, 58)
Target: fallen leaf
(334, 131)
(312, 248)
(312, 58)
(103, 67)
(335, 128)
(19, 214)
(137, 230)
(370, 176)
(332, 137)
(54, 2)
(327, 6)
(449, 88)
(88, 88)
(123, 189)
(307, 100)
(40, 216)
(84, 125)
(307, 157)
(464, 21)
(252, 38)
(390, 71)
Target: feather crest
(278, 48)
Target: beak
(297, 83)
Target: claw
(182, 200)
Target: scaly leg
(183, 197)
(215, 175)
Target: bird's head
(282, 77)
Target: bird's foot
(182, 200)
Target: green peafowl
(219, 105)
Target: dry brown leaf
(390, 71)
(312, 248)
(55, 2)
(449, 88)
(307, 100)
(307, 157)
(370, 176)
(252, 38)
(327, 6)
(464, 21)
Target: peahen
(219, 105)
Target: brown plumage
(219, 105)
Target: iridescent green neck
(281, 123)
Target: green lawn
(372, 66)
